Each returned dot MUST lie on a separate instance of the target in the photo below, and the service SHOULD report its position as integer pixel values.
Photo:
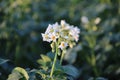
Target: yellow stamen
(53, 37)
(62, 44)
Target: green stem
(93, 59)
(61, 59)
(55, 59)
(95, 71)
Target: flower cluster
(63, 34)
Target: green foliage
(15, 76)
(2, 61)
(44, 62)
(71, 70)
(60, 73)
(18, 74)
(44, 71)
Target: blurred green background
(23, 21)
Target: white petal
(63, 45)
(63, 22)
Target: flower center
(53, 37)
(62, 44)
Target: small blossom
(84, 20)
(63, 23)
(53, 36)
(76, 38)
(46, 37)
(56, 27)
(49, 29)
(97, 20)
(63, 45)
(77, 30)
(74, 32)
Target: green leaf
(22, 71)
(41, 62)
(15, 76)
(51, 55)
(45, 58)
(32, 74)
(45, 62)
(3, 61)
(71, 70)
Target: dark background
(23, 21)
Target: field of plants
(59, 39)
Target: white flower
(63, 23)
(46, 37)
(53, 36)
(63, 45)
(56, 27)
(76, 37)
(51, 33)
(84, 20)
(61, 32)
(74, 32)
(49, 29)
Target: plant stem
(61, 59)
(95, 70)
(55, 59)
